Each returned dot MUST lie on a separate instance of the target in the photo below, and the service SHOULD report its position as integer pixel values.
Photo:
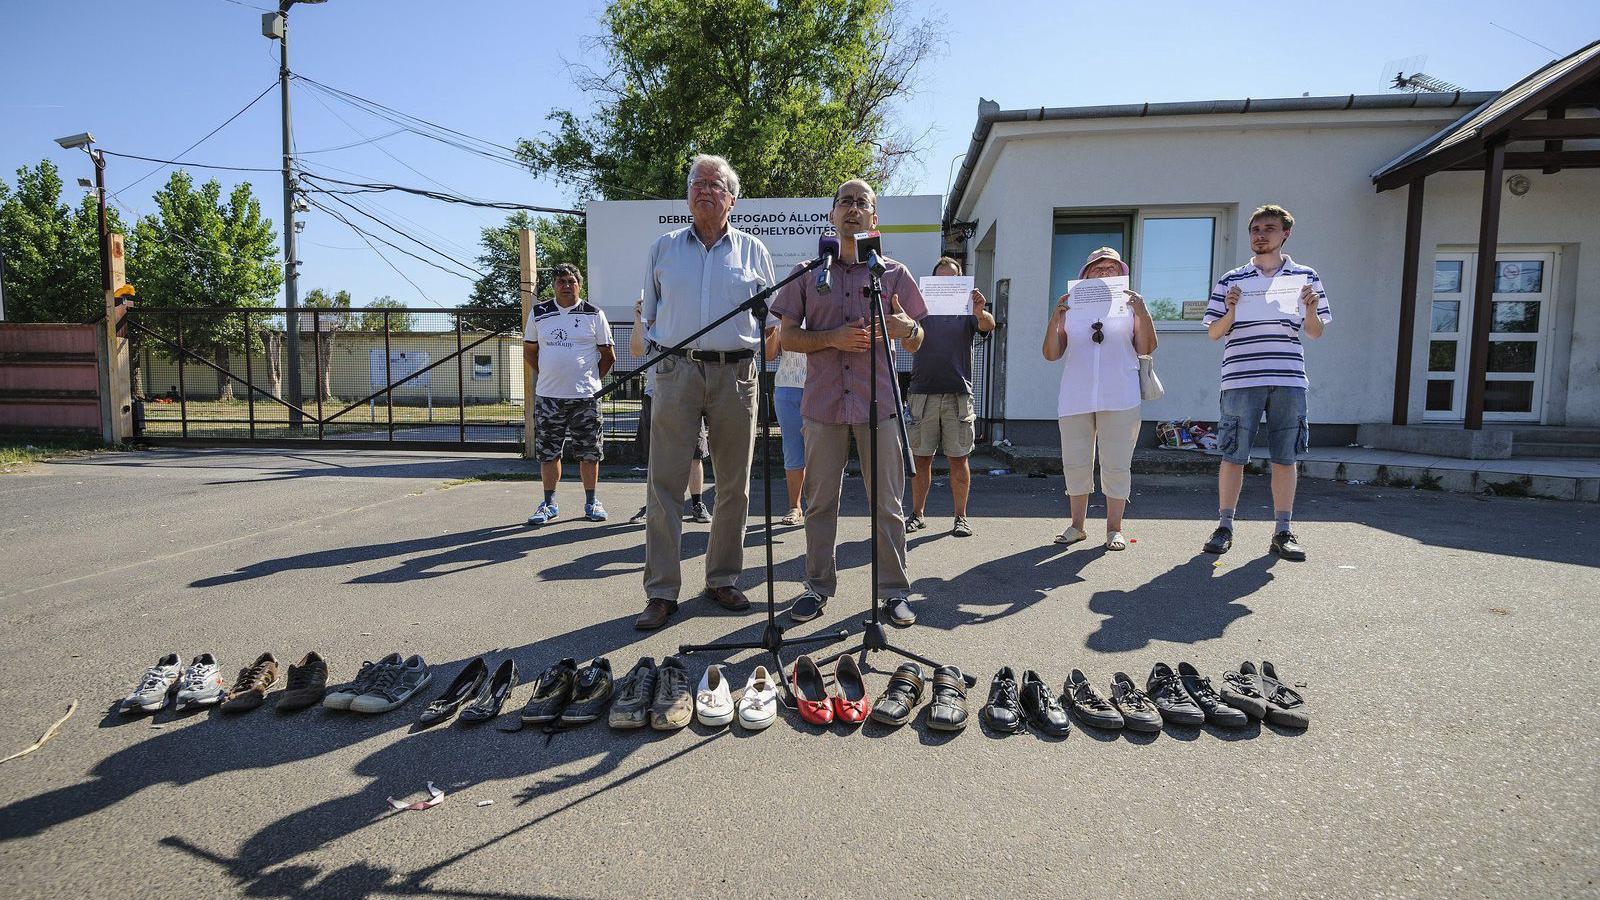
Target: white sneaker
(202, 683)
(151, 694)
(758, 705)
(713, 703)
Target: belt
(716, 356)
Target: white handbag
(1149, 384)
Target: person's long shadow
(1001, 586)
(1186, 604)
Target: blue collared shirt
(688, 286)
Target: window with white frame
(1173, 253)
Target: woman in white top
(1099, 399)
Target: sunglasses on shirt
(1099, 334)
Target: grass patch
(495, 476)
(1518, 487)
(1428, 482)
(19, 452)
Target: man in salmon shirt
(832, 330)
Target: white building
(1172, 186)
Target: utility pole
(276, 25)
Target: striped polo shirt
(1265, 353)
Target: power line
(381, 149)
(364, 237)
(363, 188)
(175, 162)
(408, 237)
(213, 131)
(353, 143)
(367, 234)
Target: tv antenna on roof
(1407, 75)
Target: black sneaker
(915, 523)
(900, 698)
(1003, 712)
(1138, 713)
(1285, 706)
(1087, 702)
(1287, 546)
(1243, 690)
(807, 606)
(551, 693)
(1174, 703)
(1221, 541)
(634, 695)
(1206, 697)
(591, 693)
(1043, 709)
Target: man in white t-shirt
(568, 343)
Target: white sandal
(1115, 541)
(1071, 536)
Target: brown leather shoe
(729, 598)
(655, 614)
(252, 685)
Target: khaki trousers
(725, 394)
(1115, 433)
(827, 448)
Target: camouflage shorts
(556, 419)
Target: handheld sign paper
(947, 295)
(1098, 299)
(1277, 297)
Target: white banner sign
(1269, 298)
(1098, 299)
(401, 364)
(947, 295)
(620, 233)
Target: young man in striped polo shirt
(1264, 371)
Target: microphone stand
(873, 637)
(772, 639)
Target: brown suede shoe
(729, 598)
(307, 684)
(252, 685)
(655, 614)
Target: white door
(1514, 386)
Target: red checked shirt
(837, 383)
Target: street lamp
(276, 26)
(85, 140)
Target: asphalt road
(1447, 645)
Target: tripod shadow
(1187, 604)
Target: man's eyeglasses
(702, 184)
(1099, 333)
(857, 202)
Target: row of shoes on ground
(1174, 697)
(381, 686)
(200, 685)
(649, 694)
(475, 693)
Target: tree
(333, 317)
(198, 251)
(372, 319)
(799, 95)
(558, 239)
(51, 250)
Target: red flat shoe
(810, 693)
(850, 705)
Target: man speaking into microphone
(828, 319)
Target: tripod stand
(772, 639)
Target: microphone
(828, 251)
(869, 247)
(875, 262)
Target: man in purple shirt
(832, 330)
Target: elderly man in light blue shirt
(695, 275)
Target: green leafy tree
(333, 317)
(372, 318)
(51, 249)
(199, 250)
(799, 95)
(557, 239)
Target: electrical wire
(364, 237)
(362, 188)
(176, 162)
(393, 246)
(353, 143)
(408, 237)
(213, 131)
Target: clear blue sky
(152, 77)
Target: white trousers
(1115, 433)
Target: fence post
(316, 343)
(529, 289)
(249, 376)
(461, 386)
(119, 396)
(388, 376)
(183, 388)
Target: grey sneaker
(202, 683)
(346, 694)
(154, 686)
(695, 510)
(394, 686)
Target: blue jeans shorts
(787, 400)
(1288, 429)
